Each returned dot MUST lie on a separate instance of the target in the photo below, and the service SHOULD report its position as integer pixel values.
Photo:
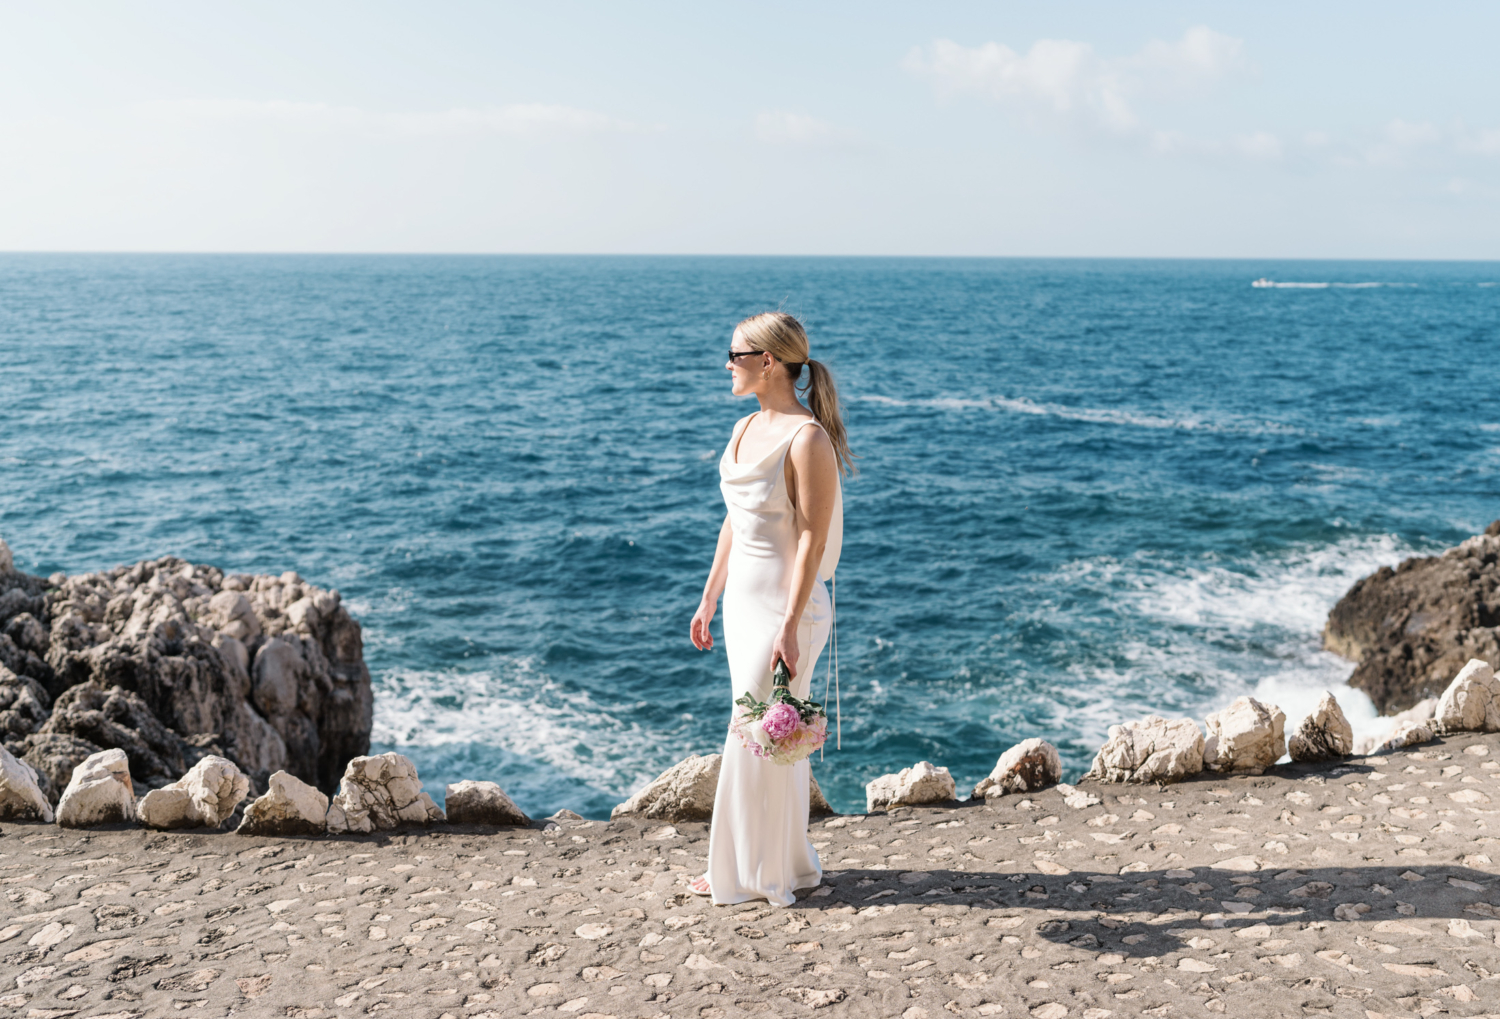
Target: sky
(1151, 129)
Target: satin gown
(758, 846)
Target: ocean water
(1089, 490)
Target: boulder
(1408, 734)
(921, 783)
(203, 798)
(817, 803)
(53, 757)
(100, 792)
(469, 802)
(378, 793)
(117, 718)
(1030, 765)
(1418, 715)
(1472, 701)
(21, 798)
(289, 807)
(684, 792)
(1245, 738)
(1154, 749)
(1410, 629)
(1323, 735)
(24, 707)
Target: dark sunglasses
(743, 353)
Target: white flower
(758, 733)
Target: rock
(684, 792)
(1245, 738)
(1472, 701)
(24, 707)
(203, 798)
(817, 804)
(1421, 712)
(1026, 767)
(1410, 629)
(1077, 798)
(921, 783)
(1408, 734)
(21, 798)
(1323, 735)
(469, 802)
(118, 718)
(54, 756)
(7, 563)
(290, 807)
(1153, 749)
(379, 793)
(100, 792)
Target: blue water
(1089, 490)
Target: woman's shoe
(699, 886)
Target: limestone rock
(817, 803)
(53, 757)
(289, 807)
(1026, 767)
(1153, 749)
(1412, 628)
(203, 798)
(7, 564)
(1245, 738)
(20, 796)
(24, 707)
(1078, 799)
(1323, 735)
(118, 718)
(470, 802)
(1472, 701)
(100, 792)
(684, 792)
(1419, 714)
(1408, 734)
(921, 783)
(379, 793)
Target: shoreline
(1358, 888)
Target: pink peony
(780, 721)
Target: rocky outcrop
(1410, 629)
(203, 798)
(1026, 767)
(817, 803)
(1418, 715)
(1245, 738)
(1324, 735)
(1472, 701)
(684, 792)
(267, 671)
(485, 803)
(21, 798)
(289, 807)
(54, 756)
(100, 792)
(1154, 749)
(921, 783)
(379, 793)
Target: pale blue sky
(1148, 129)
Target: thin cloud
(783, 127)
(514, 119)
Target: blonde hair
(782, 336)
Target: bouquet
(782, 728)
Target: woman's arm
(813, 482)
(718, 576)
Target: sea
(1088, 490)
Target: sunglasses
(734, 354)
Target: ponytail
(823, 401)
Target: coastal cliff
(1410, 629)
(171, 661)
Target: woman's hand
(703, 639)
(785, 648)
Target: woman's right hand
(703, 639)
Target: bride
(780, 476)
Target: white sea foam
(1092, 415)
(1265, 284)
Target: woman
(779, 543)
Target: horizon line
(762, 255)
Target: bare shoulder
(812, 446)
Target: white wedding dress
(758, 846)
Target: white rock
(1153, 749)
(1472, 701)
(99, 792)
(469, 802)
(1245, 738)
(7, 564)
(289, 807)
(1422, 711)
(203, 798)
(379, 793)
(21, 797)
(1030, 765)
(921, 783)
(1077, 798)
(1323, 735)
(684, 792)
(1408, 734)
